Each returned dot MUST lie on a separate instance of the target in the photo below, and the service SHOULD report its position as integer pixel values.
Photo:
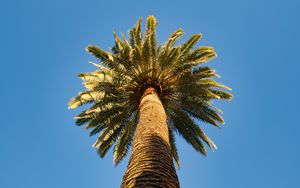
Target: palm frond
(212, 83)
(186, 127)
(187, 46)
(174, 148)
(84, 98)
(222, 94)
(201, 55)
(107, 58)
(137, 33)
(124, 140)
(189, 136)
(150, 34)
(199, 110)
(112, 130)
(107, 138)
(190, 124)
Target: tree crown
(176, 72)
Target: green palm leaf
(174, 148)
(124, 140)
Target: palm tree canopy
(183, 84)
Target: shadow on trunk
(152, 166)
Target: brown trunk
(151, 162)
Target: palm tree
(141, 94)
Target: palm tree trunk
(151, 162)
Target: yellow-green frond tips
(187, 46)
(222, 94)
(74, 103)
(136, 34)
(151, 23)
(212, 83)
(85, 97)
(119, 44)
(172, 39)
(99, 53)
(101, 67)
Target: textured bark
(151, 162)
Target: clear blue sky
(42, 50)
